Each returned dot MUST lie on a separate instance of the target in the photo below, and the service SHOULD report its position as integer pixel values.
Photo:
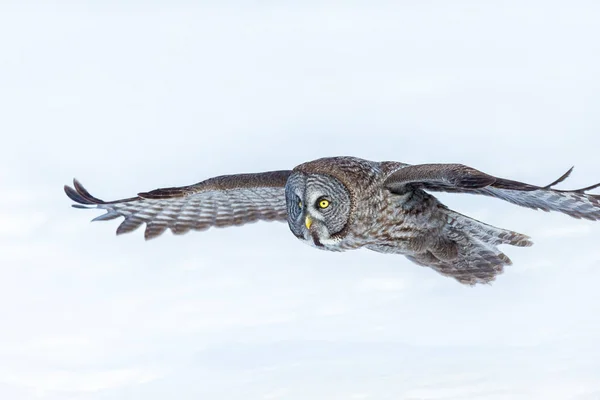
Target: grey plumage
(221, 201)
(343, 203)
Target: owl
(346, 203)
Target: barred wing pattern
(222, 201)
(457, 178)
(479, 260)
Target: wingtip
(74, 195)
(110, 214)
(586, 189)
(561, 179)
(79, 194)
(565, 176)
(67, 190)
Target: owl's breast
(402, 223)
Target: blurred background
(129, 96)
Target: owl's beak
(308, 222)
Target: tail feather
(486, 233)
(478, 259)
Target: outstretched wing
(222, 201)
(457, 178)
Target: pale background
(129, 96)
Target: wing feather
(222, 201)
(457, 178)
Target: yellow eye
(299, 204)
(324, 203)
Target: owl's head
(318, 208)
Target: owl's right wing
(221, 201)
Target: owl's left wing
(458, 178)
(221, 201)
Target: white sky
(130, 96)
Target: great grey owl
(343, 203)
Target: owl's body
(379, 219)
(345, 203)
